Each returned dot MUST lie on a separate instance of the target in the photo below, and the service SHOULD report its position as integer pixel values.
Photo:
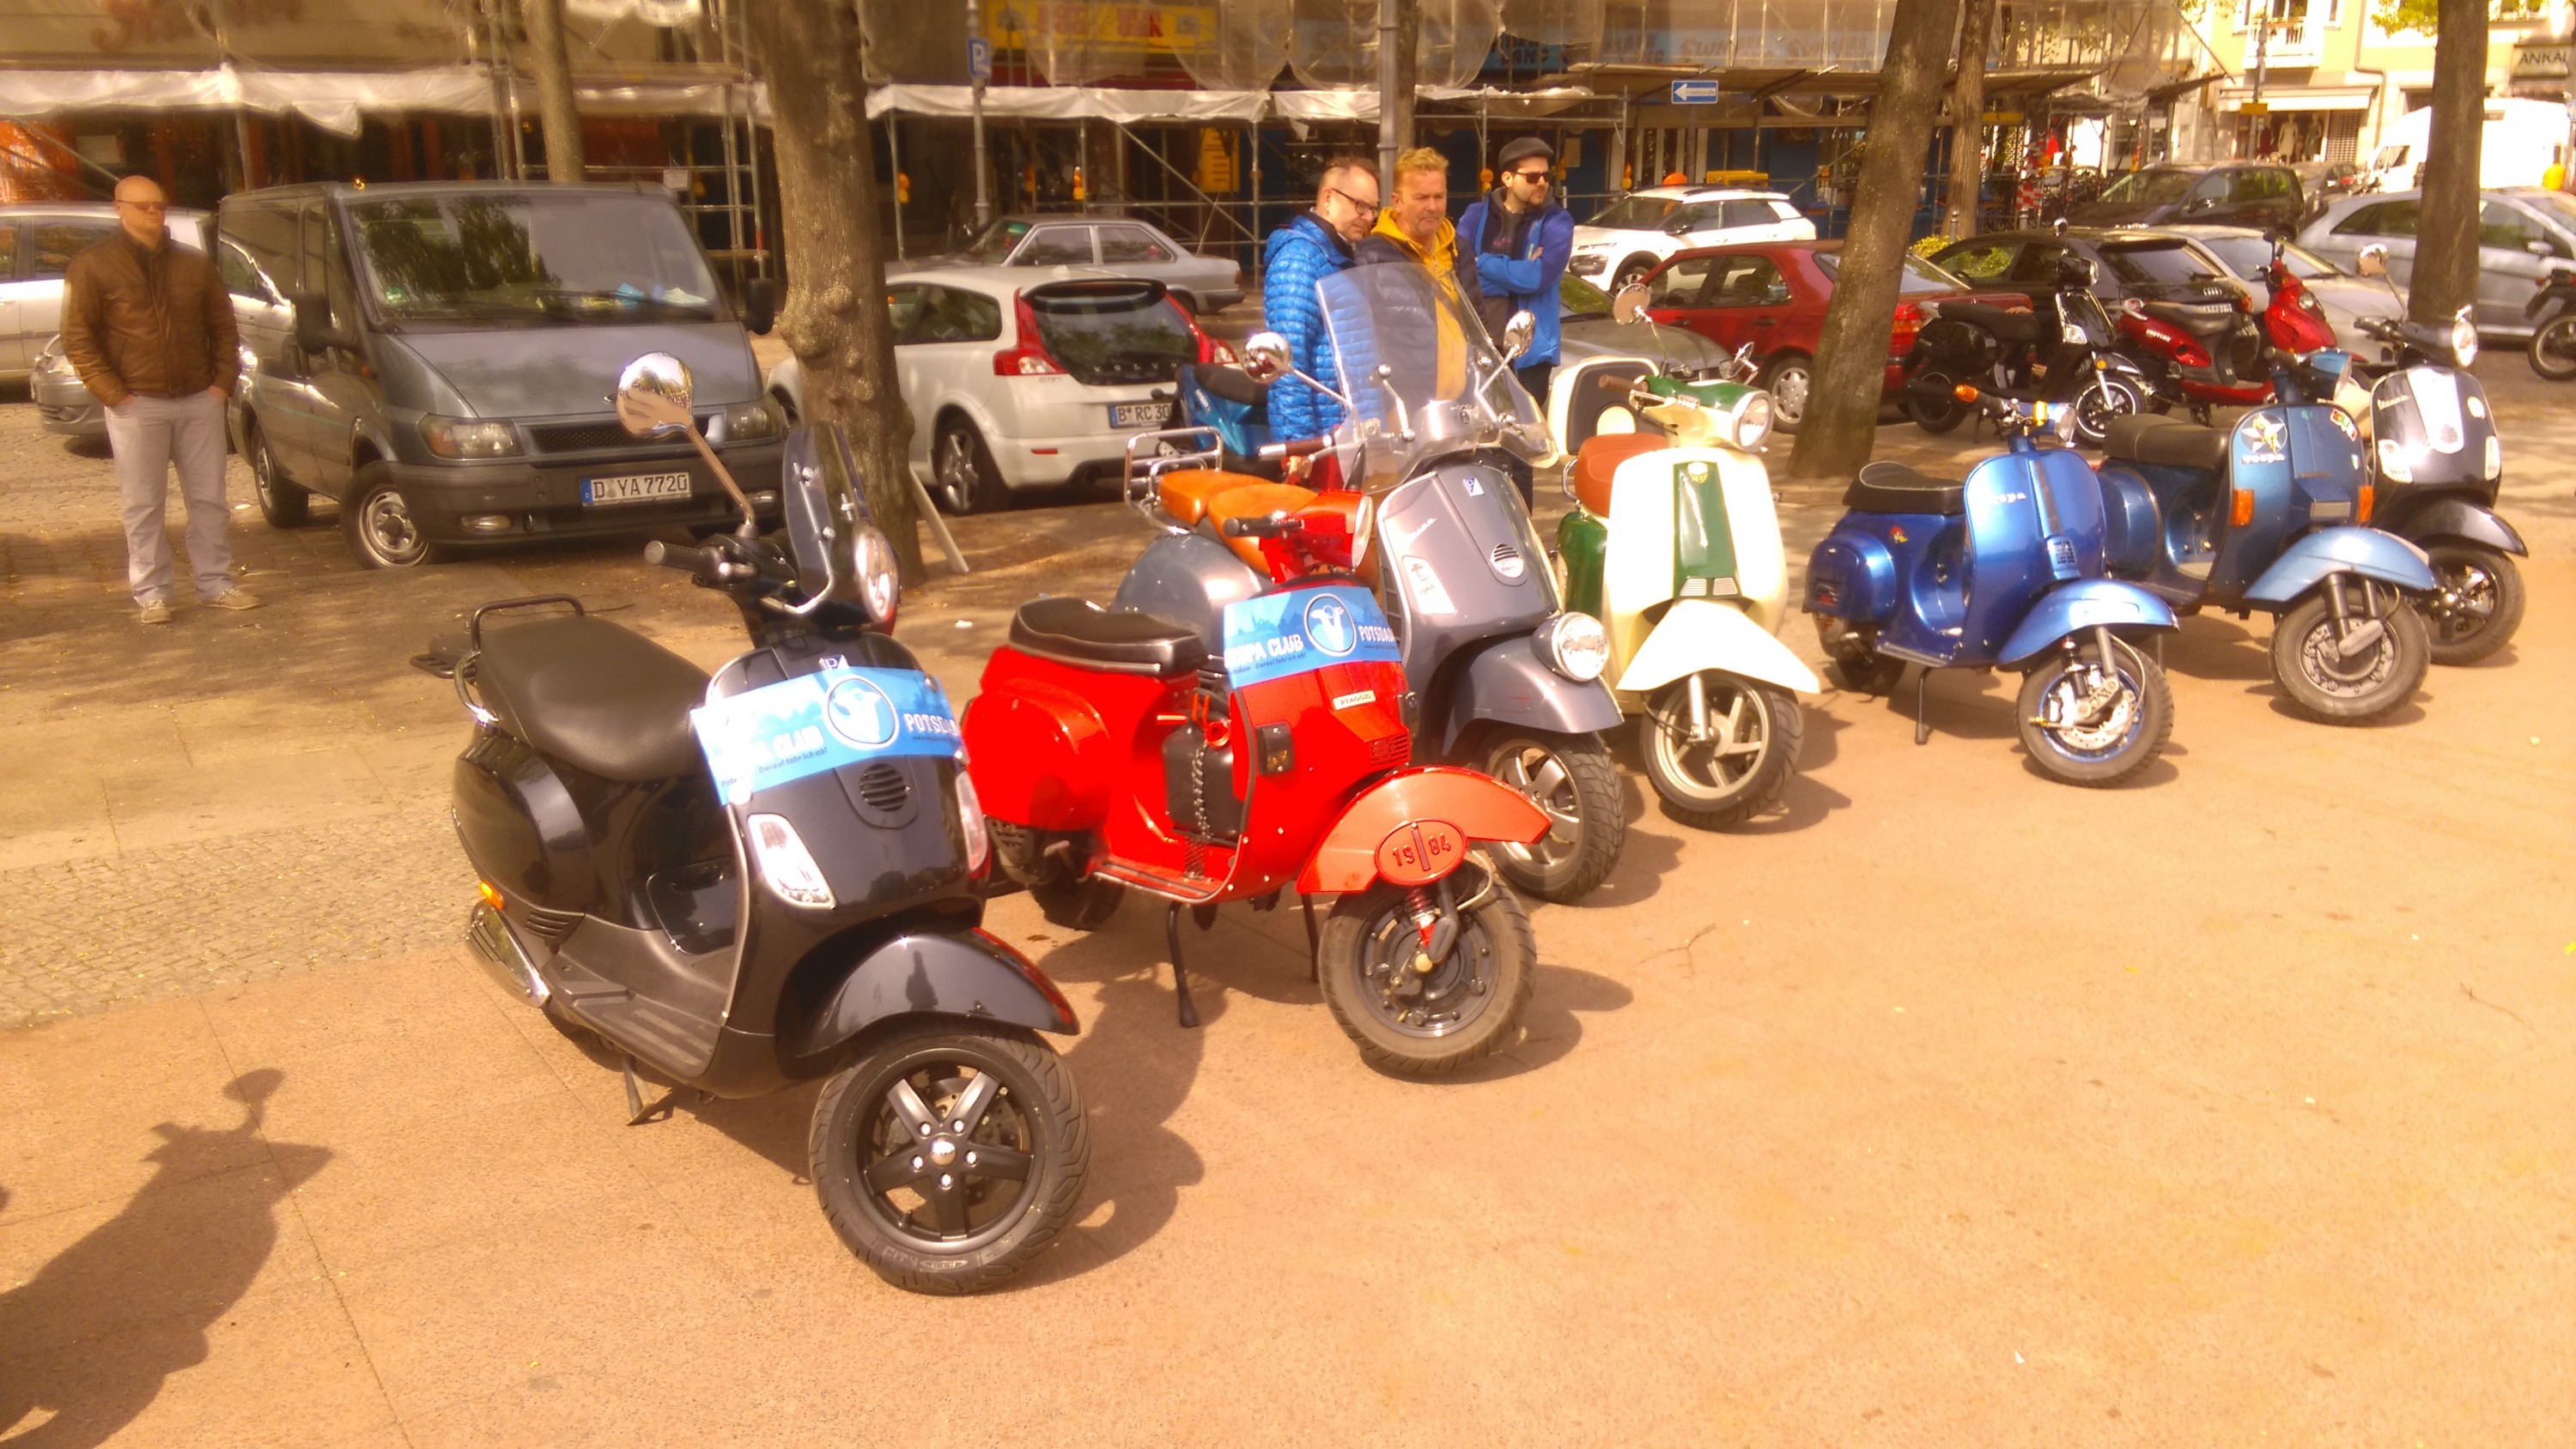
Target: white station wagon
(1021, 378)
(1632, 234)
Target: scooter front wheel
(1410, 1014)
(2352, 668)
(1571, 778)
(2087, 721)
(951, 1155)
(1725, 760)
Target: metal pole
(1388, 143)
(983, 184)
(2262, 52)
(894, 154)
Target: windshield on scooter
(1422, 377)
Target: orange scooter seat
(1601, 456)
(1184, 492)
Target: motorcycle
(2066, 354)
(1498, 676)
(2002, 568)
(1117, 750)
(2205, 354)
(2553, 344)
(1674, 544)
(2270, 514)
(772, 877)
(2438, 467)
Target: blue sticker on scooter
(1273, 636)
(817, 722)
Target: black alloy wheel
(2476, 603)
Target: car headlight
(1753, 419)
(745, 422)
(1574, 645)
(2392, 462)
(468, 438)
(879, 584)
(2464, 339)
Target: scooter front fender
(2349, 549)
(2460, 519)
(1507, 683)
(972, 975)
(1700, 634)
(1409, 809)
(2081, 605)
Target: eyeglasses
(1534, 178)
(146, 205)
(1364, 208)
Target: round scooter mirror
(2373, 261)
(1630, 304)
(1265, 357)
(1517, 334)
(653, 396)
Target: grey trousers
(148, 435)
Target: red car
(1773, 295)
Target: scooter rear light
(970, 825)
(2240, 510)
(2362, 502)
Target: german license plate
(634, 488)
(1139, 415)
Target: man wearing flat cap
(1520, 239)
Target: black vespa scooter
(2066, 352)
(772, 876)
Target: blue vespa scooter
(2004, 568)
(2268, 515)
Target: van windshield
(2150, 188)
(530, 258)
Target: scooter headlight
(2392, 462)
(879, 583)
(1574, 645)
(785, 865)
(2464, 339)
(970, 823)
(1753, 418)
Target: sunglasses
(146, 205)
(1535, 178)
(1365, 208)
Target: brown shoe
(235, 599)
(154, 612)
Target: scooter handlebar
(1263, 527)
(699, 561)
(1297, 448)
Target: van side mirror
(760, 305)
(314, 334)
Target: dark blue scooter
(1233, 406)
(2267, 515)
(2004, 568)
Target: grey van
(438, 357)
(2524, 233)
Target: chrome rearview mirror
(1265, 357)
(1517, 334)
(1630, 304)
(2373, 261)
(653, 400)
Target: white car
(1024, 378)
(1640, 229)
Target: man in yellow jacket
(1415, 226)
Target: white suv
(1632, 234)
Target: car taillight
(1909, 323)
(1030, 358)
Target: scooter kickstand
(1180, 974)
(637, 1114)
(1922, 719)
(1314, 950)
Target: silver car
(37, 243)
(64, 404)
(2524, 233)
(1118, 246)
(2246, 256)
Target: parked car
(2247, 256)
(1632, 234)
(438, 357)
(37, 243)
(2524, 232)
(2154, 266)
(1019, 380)
(1588, 331)
(1773, 295)
(1117, 246)
(2228, 193)
(65, 406)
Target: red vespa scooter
(2215, 356)
(1111, 754)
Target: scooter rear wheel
(1458, 1012)
(2553, 349)
(951, 1155)
(2477, 602)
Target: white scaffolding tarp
(333, 101)
(1072, 103)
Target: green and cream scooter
(1674, 546)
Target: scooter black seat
(1083, 634)
(2006, 325)
(2200, 319)
(2165, 442)
(593, 695)
(1895, 488)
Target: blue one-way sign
(1695, 92)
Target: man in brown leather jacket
(149, 328)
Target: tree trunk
(835, 318)
(1967, 118)
(562, 118)
(1840, 424)
(2445, 274)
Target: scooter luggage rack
(1210, 453)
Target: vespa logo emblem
(1329, 626)
(860, 714)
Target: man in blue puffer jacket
(1313, 245)
(1521, 240)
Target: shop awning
(2298, 98)
(331, 100)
